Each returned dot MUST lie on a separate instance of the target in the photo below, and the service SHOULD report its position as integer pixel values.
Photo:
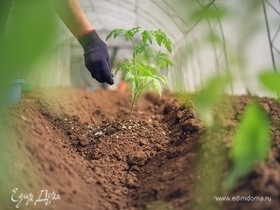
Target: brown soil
(82, 148)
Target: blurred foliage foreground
(27, 29)
(25, 35)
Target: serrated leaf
(115, 33)
(157, 86)
(144, 70)
(168, 46)
(109, 35)
(167, 43)
(158, 37)
(161, 38)
(141, 48)
(147, 36)
(129, 34)
(125, 66)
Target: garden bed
(83, 147)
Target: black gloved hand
(96, 57)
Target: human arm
(95, 50)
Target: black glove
(96, 57)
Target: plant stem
(134, 56)
(134, 98)
(134, 95)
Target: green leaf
(161, 38)
(147, 36)
(115, 33)
(161, 79)
(125, 66)
(209, 96)
(208, 13)
(157, 86)
(109, 35)
(143, 70)
(129, 34)
(158, 36)
(163, 60)
(270, 80)
(145, 80)
(129, 76)
(141, 48)
(167, 43)
(251, 143)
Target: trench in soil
(84, 146)
(128, 158)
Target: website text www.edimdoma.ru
(239, 198)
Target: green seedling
(251, 144)
(143, 71)
(251, 141)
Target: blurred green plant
(207, 100)
(213, 13)
(252, 138)
(209, 96)
(26, 35)
(144, 69)
(206, 11)
(270, 80)
(251, 143)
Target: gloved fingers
(110, 76)
(102, 74)
(96, 73)
(107, 74)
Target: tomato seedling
(144, 70)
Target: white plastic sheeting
(150, 14)
(168, 15)
(234, 50)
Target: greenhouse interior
(140, 104)
(204, 45)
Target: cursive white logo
(44, 196)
